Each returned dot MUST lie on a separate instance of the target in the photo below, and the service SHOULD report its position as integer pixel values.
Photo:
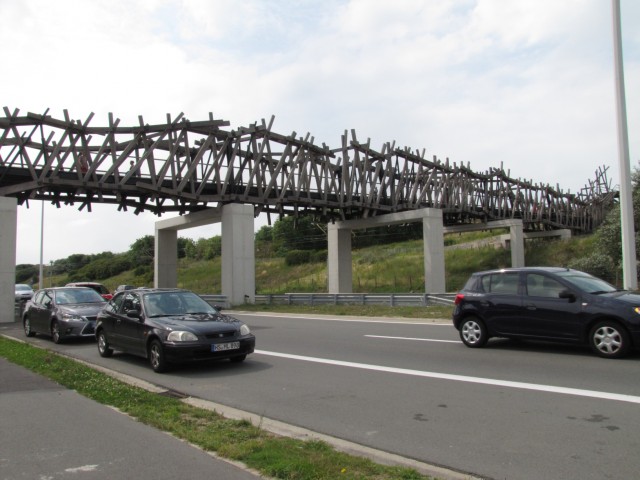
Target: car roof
(525, 269)
(74, 284)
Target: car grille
(217, 335)
(88, 329)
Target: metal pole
(41, 274)
(629, 272)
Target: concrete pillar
(517, 245)
(433, 239)
(8, 233)
(238, 254)
(166, 258)
(339, 264)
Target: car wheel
(610, 340)
(103, 345)
(27, 327)
(238, 359)
(55, 332)
(156, 357)
(473, 333)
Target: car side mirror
(133, 314)
(567, 294)
(217, 307)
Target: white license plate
(221, 347)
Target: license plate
(221, 347)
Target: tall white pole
(41, 274)
(630, 276)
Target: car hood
(83, 309)
(632, 298)
(197, 322)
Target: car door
(40, 314)
(501, 306)
(108, 318)
(545, 313)
(130, 330)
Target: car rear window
(503, 282)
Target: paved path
(50, 432)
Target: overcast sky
(529, 84)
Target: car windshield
(23, 288)
(77, 295)
(587, 283)
(160, 304)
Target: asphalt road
(510, 411)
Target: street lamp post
(630, 276)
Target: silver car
(23, 292)
(62, 312)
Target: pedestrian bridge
(201, 168)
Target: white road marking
(462, 378)
(414, 339)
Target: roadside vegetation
(239, 440)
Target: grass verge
(238, 440)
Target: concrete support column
(433, 239)
(339, 266)
(517, 245)
(238, 254)
(8, 233)
(166, 258)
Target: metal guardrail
(391, 299)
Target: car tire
(157, 358)
(609, 339)
(103, 345)
(55, 332)
(26, 323)
(238, 359)
(473, 333)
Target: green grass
(239, 440)
(390, 268)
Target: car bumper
(176, 353)
(77, 329)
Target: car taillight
(458, 299)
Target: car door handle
(531, 307)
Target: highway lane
(415, 390)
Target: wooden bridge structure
(186, 166)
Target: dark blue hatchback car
(549, 304)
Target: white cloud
(528, 84)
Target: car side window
(38, 298)
(131, 301)
(542, 286)
(114, 304)
(47, 299)
(504, 283)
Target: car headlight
(637, 310)
(70, 317)
(181, 336)
(244, 330)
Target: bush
(297, 257)
(597, 264)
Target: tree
(142, 250)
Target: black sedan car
(170, 326)
(549, 304)
(62, 312)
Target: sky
(528, 85)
